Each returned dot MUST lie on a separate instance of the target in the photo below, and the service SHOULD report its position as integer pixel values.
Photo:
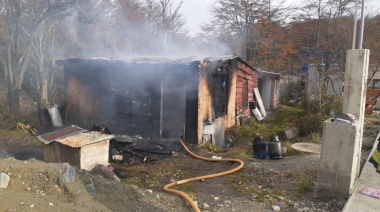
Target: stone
(206, 206)
(290, 132)
(276, 208)
(68, 176)
(91, 189)
(4, 180)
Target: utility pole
(270, 34)
(355, 24)
(361, 27)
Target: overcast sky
(197, 12)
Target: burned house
(155, 98)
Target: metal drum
(259, 148)
(275, 148)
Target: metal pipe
(355, 24)
(55, 116)
(161, 105)
(361, 27)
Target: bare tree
(165, 22)
(20, 19)
(43, 61)
(246, 27)
(236, 20)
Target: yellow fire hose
(185, 196)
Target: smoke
(108, 30)
(152, 62)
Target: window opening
(138, 102)
(219, 94)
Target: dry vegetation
(288, 182)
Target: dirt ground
(260, 186)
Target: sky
(196, 12)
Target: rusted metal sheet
(260, 102)
(371, 100)
(83, 139)
(59, 134)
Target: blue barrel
(259, 148)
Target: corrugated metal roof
(153, 60)
(267, 73)
(135, 60)
(61, 133)
(83, 139)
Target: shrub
(311, 123)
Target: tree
(273, 45)
(372, 41)
(20, 19)
(165, 23)
(43, 62)
(322, 36)
(233, 23)
(256, 30)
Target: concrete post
(355, 82)
(340, 157)
(342, 142)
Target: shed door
(174, 106)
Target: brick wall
(245, 72)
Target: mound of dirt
(34, 186)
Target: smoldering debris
(127, 149)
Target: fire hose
(167, 187)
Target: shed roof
(133, 60)
(84, 139)
(152, 60)
(61, 133)
(268, 74)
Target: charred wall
(231, 72)
(148, 99)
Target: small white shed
(78, 148)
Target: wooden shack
(158, 98)
(269, 88)
(77, 147)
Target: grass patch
(288, 150)
(18, 137)
(287, 116)
(246, 153)
(211, 147)
(305, 186)
(241, 183)
(315, 137)
(155, 177)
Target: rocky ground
(262, 185)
